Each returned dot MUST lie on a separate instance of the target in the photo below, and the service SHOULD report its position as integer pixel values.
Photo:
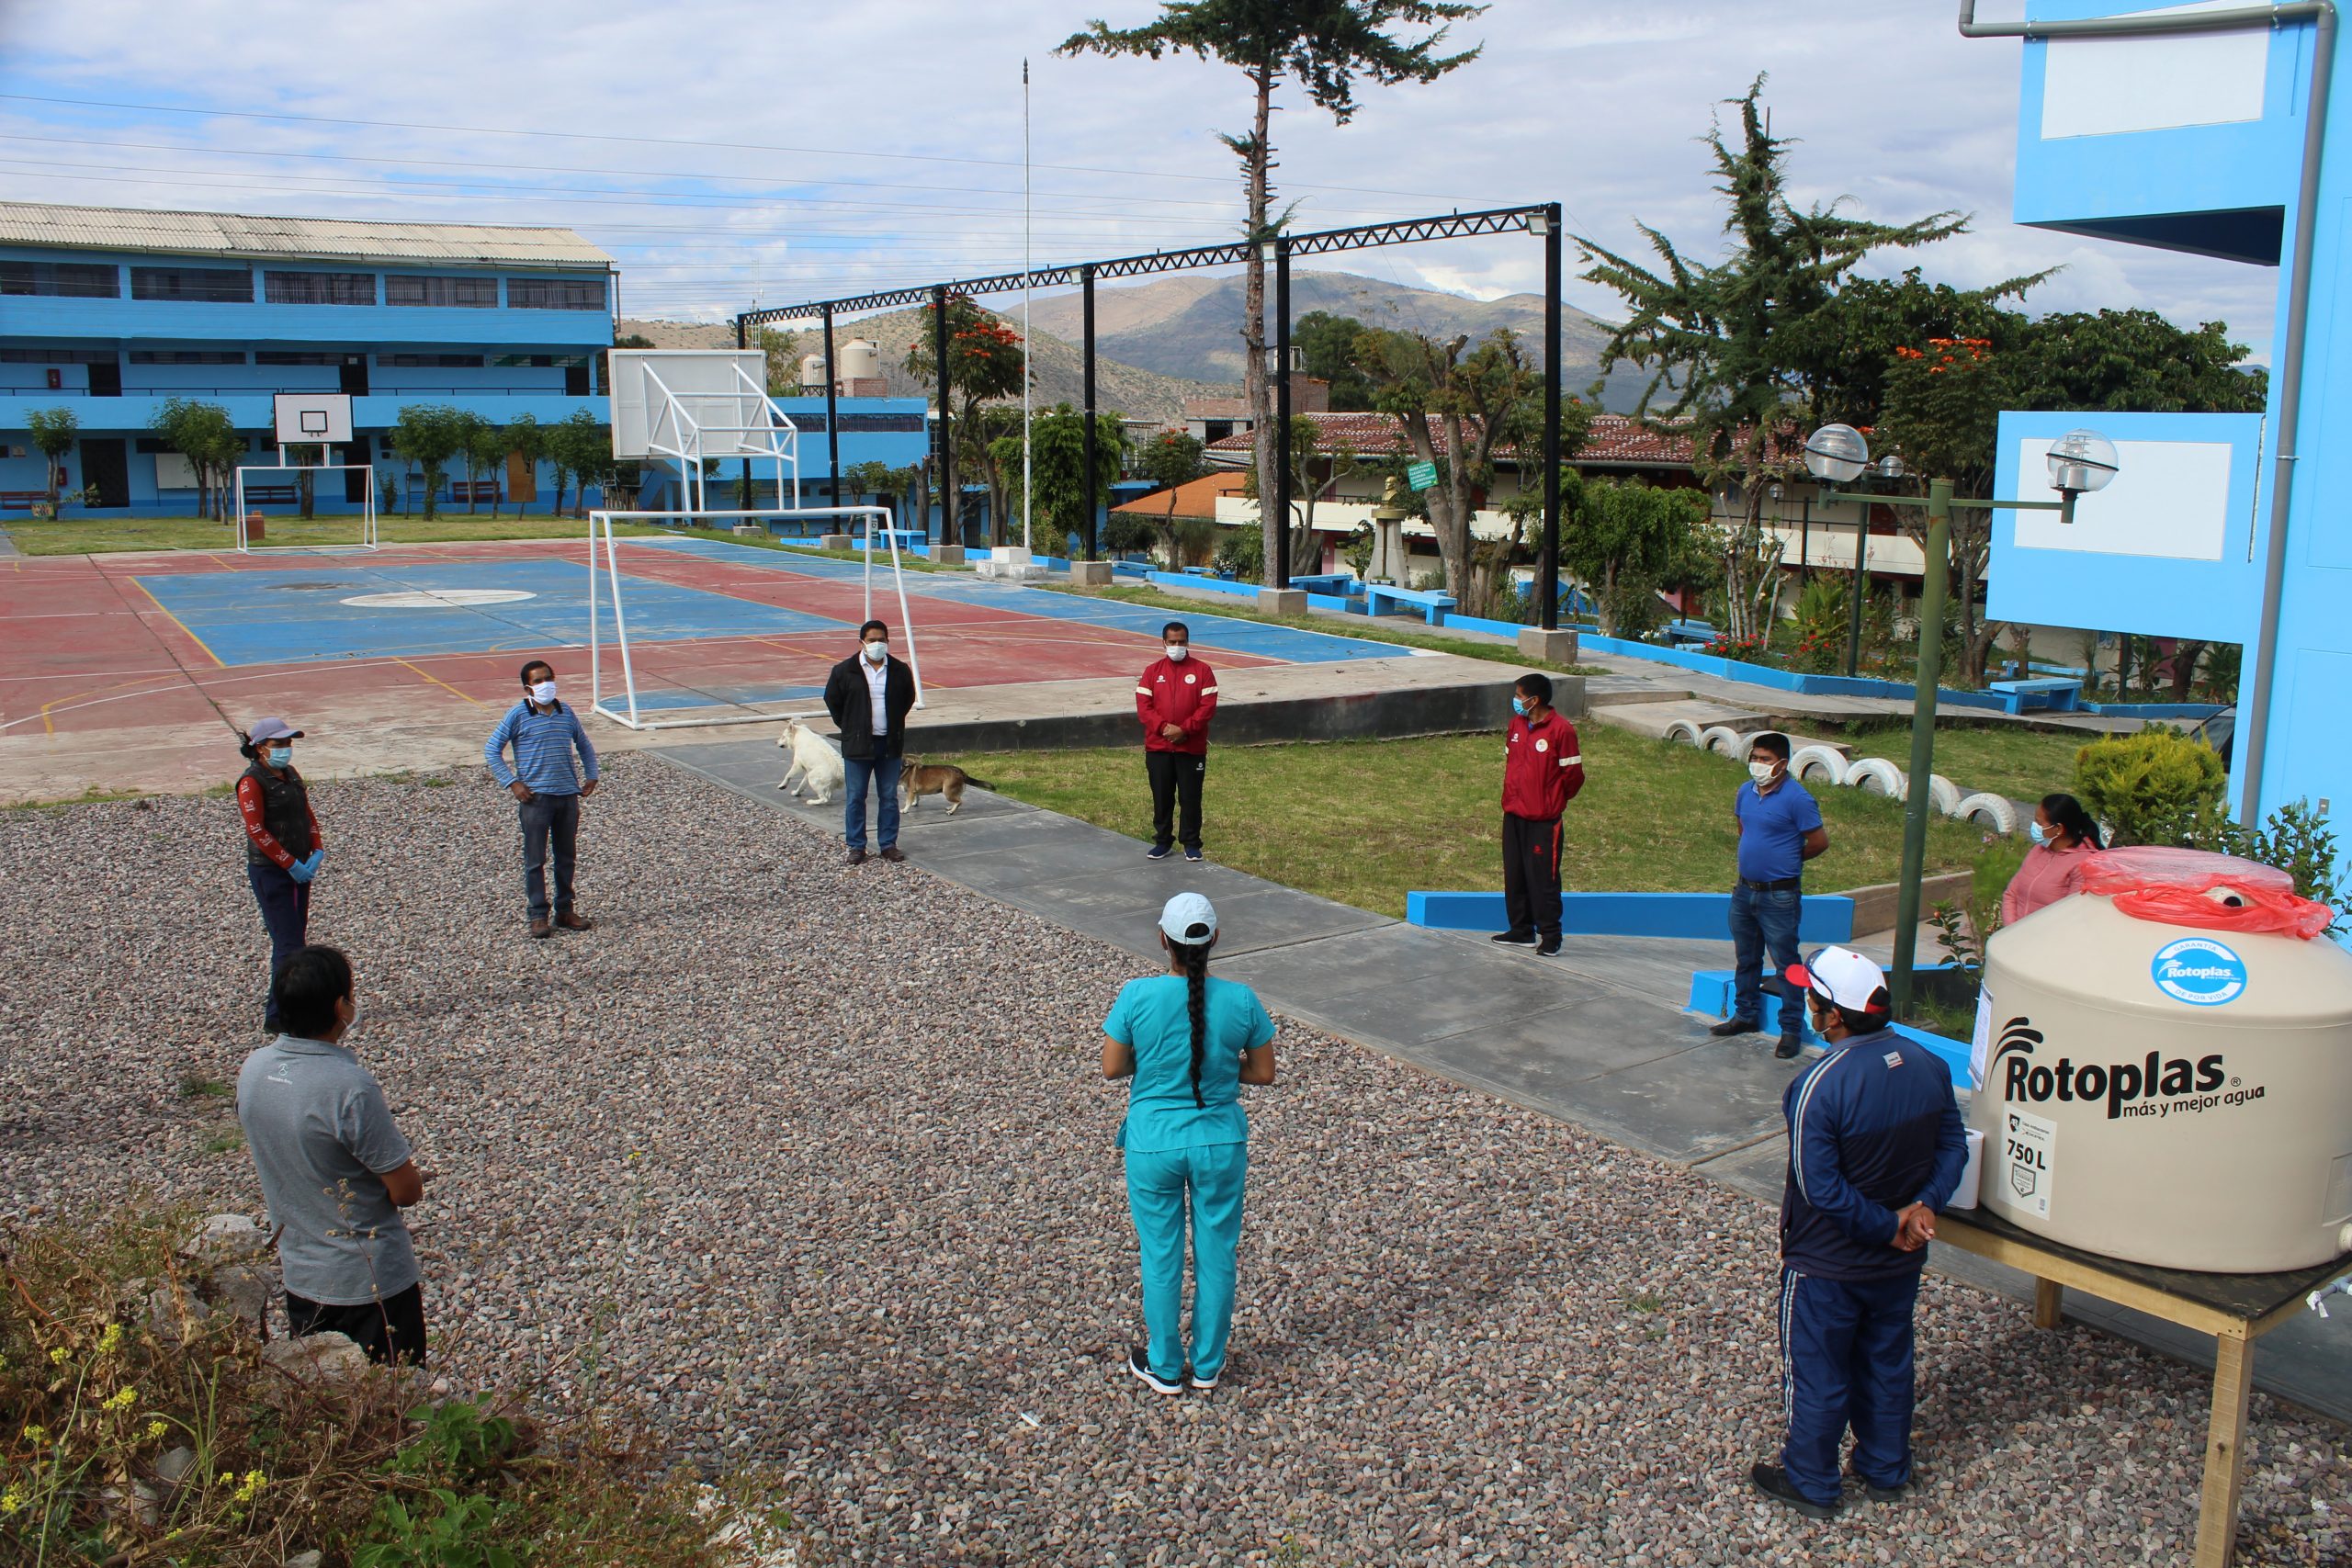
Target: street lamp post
(2080, 461)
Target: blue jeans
(882, 773)
(1846, 1360)
(286, 912)
(549, 822)
(1762, 922)
(1159, 1182)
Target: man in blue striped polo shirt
(544, 735)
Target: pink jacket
(2047, 875)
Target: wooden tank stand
(2235, 1309)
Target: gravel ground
(817, 1164)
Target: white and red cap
(1843, 978)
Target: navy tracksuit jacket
(1872, 1129)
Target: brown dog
(919, 779)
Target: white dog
(814, 761)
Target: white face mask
(1762, 771)
(543, 690)
(877, 651)
(1179, 651)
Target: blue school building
(108, 312)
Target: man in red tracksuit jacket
(1543, 770)
(1174, 699)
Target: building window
(57, 356)
(451, 293)
(290, 356)
(208, 285)
(870, 422)
(67, 280)
(555, 293)
(318, 287)
(188, 356)
(430, 361)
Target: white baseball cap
(272, 729)
(1841, 977)
(1188, 918)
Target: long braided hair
(1192, 958)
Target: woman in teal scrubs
(1190, 1042)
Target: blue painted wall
(2209, 188)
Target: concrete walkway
(1597, 1037)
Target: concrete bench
(1432, 603)
(2060, 693)
(21, 499)
(1340, 584)
(475, 491)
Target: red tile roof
(1612, 438)
(1197, 499)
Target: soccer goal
(304, 419)
(604, 577)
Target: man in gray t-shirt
(334, 1169)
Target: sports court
(109, 642)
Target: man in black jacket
(869, 695)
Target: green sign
(1422, 476)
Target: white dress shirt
(877, 681)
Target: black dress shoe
(1878, 1494)
(1548, 948)
(1514, 938)
(855, 857)
(1732, 1026)
(1774, 1483)
(1789, 1045)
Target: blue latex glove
(304, 868)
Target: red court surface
(92, 644)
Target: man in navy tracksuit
(1875, 1148)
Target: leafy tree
(1852, 345)
(1171, 459)
(868, 478)
(54, 432)
(1324, 45)
(527, 439)
(579, 448)
(429, 434)
(1624, 539)
(1316, 466)
(782, 350)
(633, 340)
(485, 453)
(1457, 409)
(209, 439)
(2134, 360)
(1327, 348)
(990, 443)
(985, 364)
(2152, 787)
(1057, 451)
(1732, 347)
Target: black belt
(1783, 883)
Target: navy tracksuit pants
(1846, 1361)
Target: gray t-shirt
(323, 1138)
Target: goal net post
(303, 420)
(609, 602)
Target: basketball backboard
(313, 418)
(711, 400)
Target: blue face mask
(280, 756)
(2035, 831)
(1518, 706)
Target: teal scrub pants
(1160, 1183)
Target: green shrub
(2155, 788)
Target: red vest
(1542, 768)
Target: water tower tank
(861, 360)
(2161, 1087)
(812, 372)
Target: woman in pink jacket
(2064, 834)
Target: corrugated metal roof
(339, 239)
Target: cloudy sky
(776, 150)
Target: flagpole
(1025, 378)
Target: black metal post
(1085, 295)
(1804, 543)
(743, 333)
(1862, 588)
(1547, 565)
(1280, 565)
(832, 411)
(949, 534)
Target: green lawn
(2007, 759)
(100, 535)
(1236, 608)
(1365, 822)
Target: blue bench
(1338, 585)
(1689, 631)
(1131, 569)
(2060, 693)
(1218, 573)
(1432, 603)
(904, 538)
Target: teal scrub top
(1153, 1017)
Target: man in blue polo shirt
(1779, 830)
(545, 734)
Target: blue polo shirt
(1773, 830)
(1154, 1018)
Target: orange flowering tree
(1943, 410)
(985, 364)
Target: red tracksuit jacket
(1542, 768)
(1182, 694)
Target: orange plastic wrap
(2211, 892)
